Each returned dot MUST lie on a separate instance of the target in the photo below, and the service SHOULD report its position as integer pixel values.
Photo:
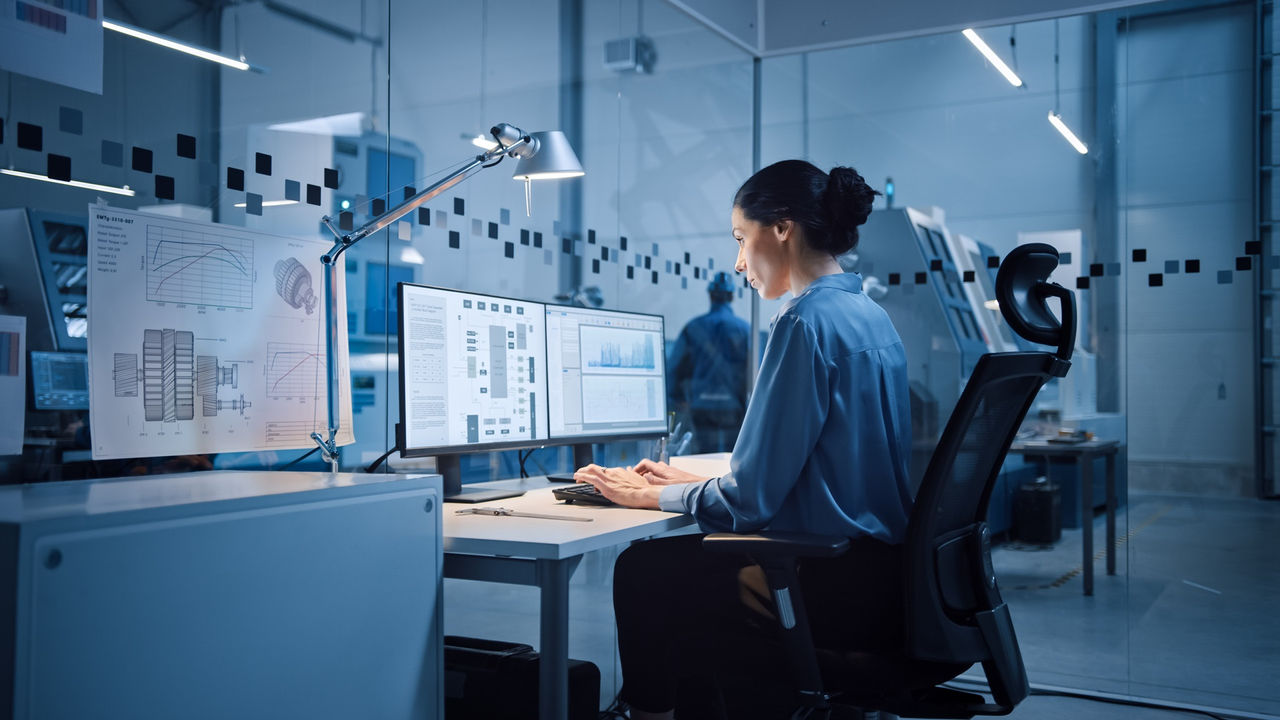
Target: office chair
(953, 611)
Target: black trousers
(682, 623)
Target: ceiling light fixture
(270, 203)
(73, 183)
(1056, 121)
(991, 57)
(1055, 117)
(182, 47)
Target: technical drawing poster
(206, 338)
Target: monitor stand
(582, 455)
(450, 468)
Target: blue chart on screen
(605, 373)
(607, 348)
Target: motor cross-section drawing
(172, 377)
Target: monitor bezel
(469, 449)
(559, 440)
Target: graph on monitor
(612, 350)
(605, 373)
(199, 268)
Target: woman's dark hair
(829, 207)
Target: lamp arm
(404, 208)
(517, 144)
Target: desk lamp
(542, 155)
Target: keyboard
(582, 493)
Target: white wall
(1186, 193)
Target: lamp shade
(554, 159)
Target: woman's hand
(621, 485)
(660, 473)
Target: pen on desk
(506, 512)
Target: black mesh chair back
(954, 609)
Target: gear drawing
(293, 283)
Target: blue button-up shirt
(826, 441)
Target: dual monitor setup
(480, 373)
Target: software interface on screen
(604, 373)
(60, 381)
(472, 367)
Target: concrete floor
(1190, 617)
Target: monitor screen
(605, 373)
(472, 371)
(60, 381)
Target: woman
(823, 448)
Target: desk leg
(1111, 513)
(1086, 520)
(553, 664)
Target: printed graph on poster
(208, 338)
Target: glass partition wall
(665, 139)
(347, 104)
(1155, 226)
(230, 170)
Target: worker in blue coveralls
(823, 448)
(709, 371)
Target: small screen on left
(60, 381)
(472, 369)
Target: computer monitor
(472, 378)
(60, 381)
(606, 376)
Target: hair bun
(848, 198)
(828, 206)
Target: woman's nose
(740, 264)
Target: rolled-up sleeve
(783, 422)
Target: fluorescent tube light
(991, 57)
(73, 183)
(1056, 121)
(175, 45)
(270, 203)
(483, 142)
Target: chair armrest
(768, 545)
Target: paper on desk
(13, 382)
(706, 464)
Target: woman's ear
(783, 229)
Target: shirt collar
(849, 282)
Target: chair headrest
(1023, 289)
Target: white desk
(542, 553)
